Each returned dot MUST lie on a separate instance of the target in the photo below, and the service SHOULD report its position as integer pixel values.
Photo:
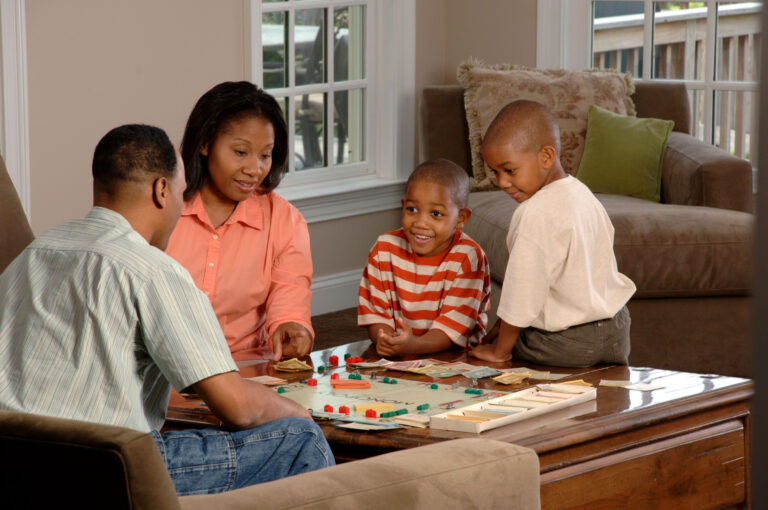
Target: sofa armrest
(697, 173)
(463, 473)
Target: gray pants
(584, 345)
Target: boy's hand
(291, 340)
(488, 353)
(396, 343)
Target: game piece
(393, 381)
(334, 377)
(370, 413)
(385, 380)
(312, 382)
(401, 411)
(373, 376)
(432, 386)
(321, 369)
(333, 360)
(328, 408)
(343, 409)
(356, 377)
(281, 390)
(347, 355)
(422, 407)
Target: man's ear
(161, 188)
(464, 215)
(547, 156)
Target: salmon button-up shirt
(256, 268)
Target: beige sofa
(689, 255)
(54, 462)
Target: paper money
(292, 365)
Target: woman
(245, 246)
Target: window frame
(378, 183)
(571, 48)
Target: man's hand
(488, 353)
(291, 340)
(397, 343)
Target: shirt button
(210, 264)
(215, 237)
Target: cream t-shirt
(561, 270)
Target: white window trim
(563, 31)
(14, 130)
(391, 127)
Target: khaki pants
(584, 345)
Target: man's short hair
(445, 173)
(133, 152)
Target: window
(333, 65)
(711, 46)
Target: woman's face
(240, 158)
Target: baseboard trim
(335, 292)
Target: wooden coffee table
(683, 446)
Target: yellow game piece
(379, 407)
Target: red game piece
(333, 360)
(334, 377)
(328, 408)
(370, 413)
(344, 409)
(312, 382)
(354, 359)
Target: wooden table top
(616, 410)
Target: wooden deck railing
(680, 48)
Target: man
(95, 320)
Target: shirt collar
(248, 212)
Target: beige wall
(95, 64)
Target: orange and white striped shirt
(449, 291)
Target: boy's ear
(464, 215)
(160, 191)
(547, 156)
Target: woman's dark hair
(218, 107)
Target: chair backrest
(52, 461)
(15, 233)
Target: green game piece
(385, 380)
(357, 377)
(469, 390)
(321, 368)
(402, 411)
(393, 381)
(422, 407)
(281, 390)
(386, 415)
(347, 355)
(434, 386)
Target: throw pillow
(623, 155)
(568, 94)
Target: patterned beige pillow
(568, 94)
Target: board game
(401, 397)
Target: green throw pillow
(623, 155)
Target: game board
(404, 394)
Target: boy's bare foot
(488, 353)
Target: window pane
(696, 98)
(617, 36)
(679, 35)
(349, 126)
(310, 131)
(274, 27)
(309, 39)
(349, 43)
(735, 125)
(738, 41)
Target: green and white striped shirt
(95, 322)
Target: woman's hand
(291, 340)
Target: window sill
(344, 198)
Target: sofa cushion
(667, 250)
(623, 154)
(567, 94)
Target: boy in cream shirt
(563, 299)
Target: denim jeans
(208, 461)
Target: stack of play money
(511, 377)
(292, 365)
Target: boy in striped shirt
(426, 287)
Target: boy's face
(520, 173)
(431, 217)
